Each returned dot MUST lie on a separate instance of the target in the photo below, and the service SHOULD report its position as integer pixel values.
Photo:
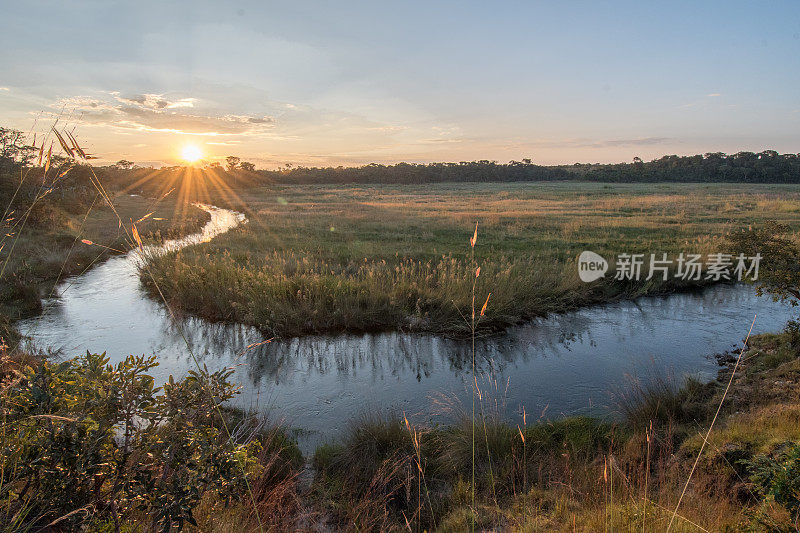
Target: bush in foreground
(88, 442)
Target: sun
(191, 153)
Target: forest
(743, 167)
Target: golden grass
(333, 258)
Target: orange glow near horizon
(191, 153)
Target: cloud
(713, 95)
(157, 113)
(154, 101)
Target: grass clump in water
(317, 259)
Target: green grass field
(318, 259)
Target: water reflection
(562, 364)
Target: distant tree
(231, 162)
(13, 150)
(247, 166)
(779, 268)
(124, 164)
(214, 166)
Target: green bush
(792, 329)
(777, 476)
(84, 437)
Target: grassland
(331, 258)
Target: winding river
(571, 363)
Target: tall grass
(662, 400)
(290, 293)
(332, 259)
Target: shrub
(93, 438)
(777, 476)
(792, 330)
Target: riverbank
(350, 259)
(48, 249)
(583, 474)
(387, 474)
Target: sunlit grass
(358, 258)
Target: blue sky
(354, 82)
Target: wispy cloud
(712, 95)
(157, 113)
(154, 101)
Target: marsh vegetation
(330, 258)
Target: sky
(349, 83)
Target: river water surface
(571, 363)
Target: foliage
(777, 476)
(231, 163)
(14, 151)
(779, 272)
(84, 437)
(792, 330)
(745, 167)
(411, 173)
(767, 166)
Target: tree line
(744, 167)
(767, 166)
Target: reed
(321, 259)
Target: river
(570, 363)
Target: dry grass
(318, 259)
